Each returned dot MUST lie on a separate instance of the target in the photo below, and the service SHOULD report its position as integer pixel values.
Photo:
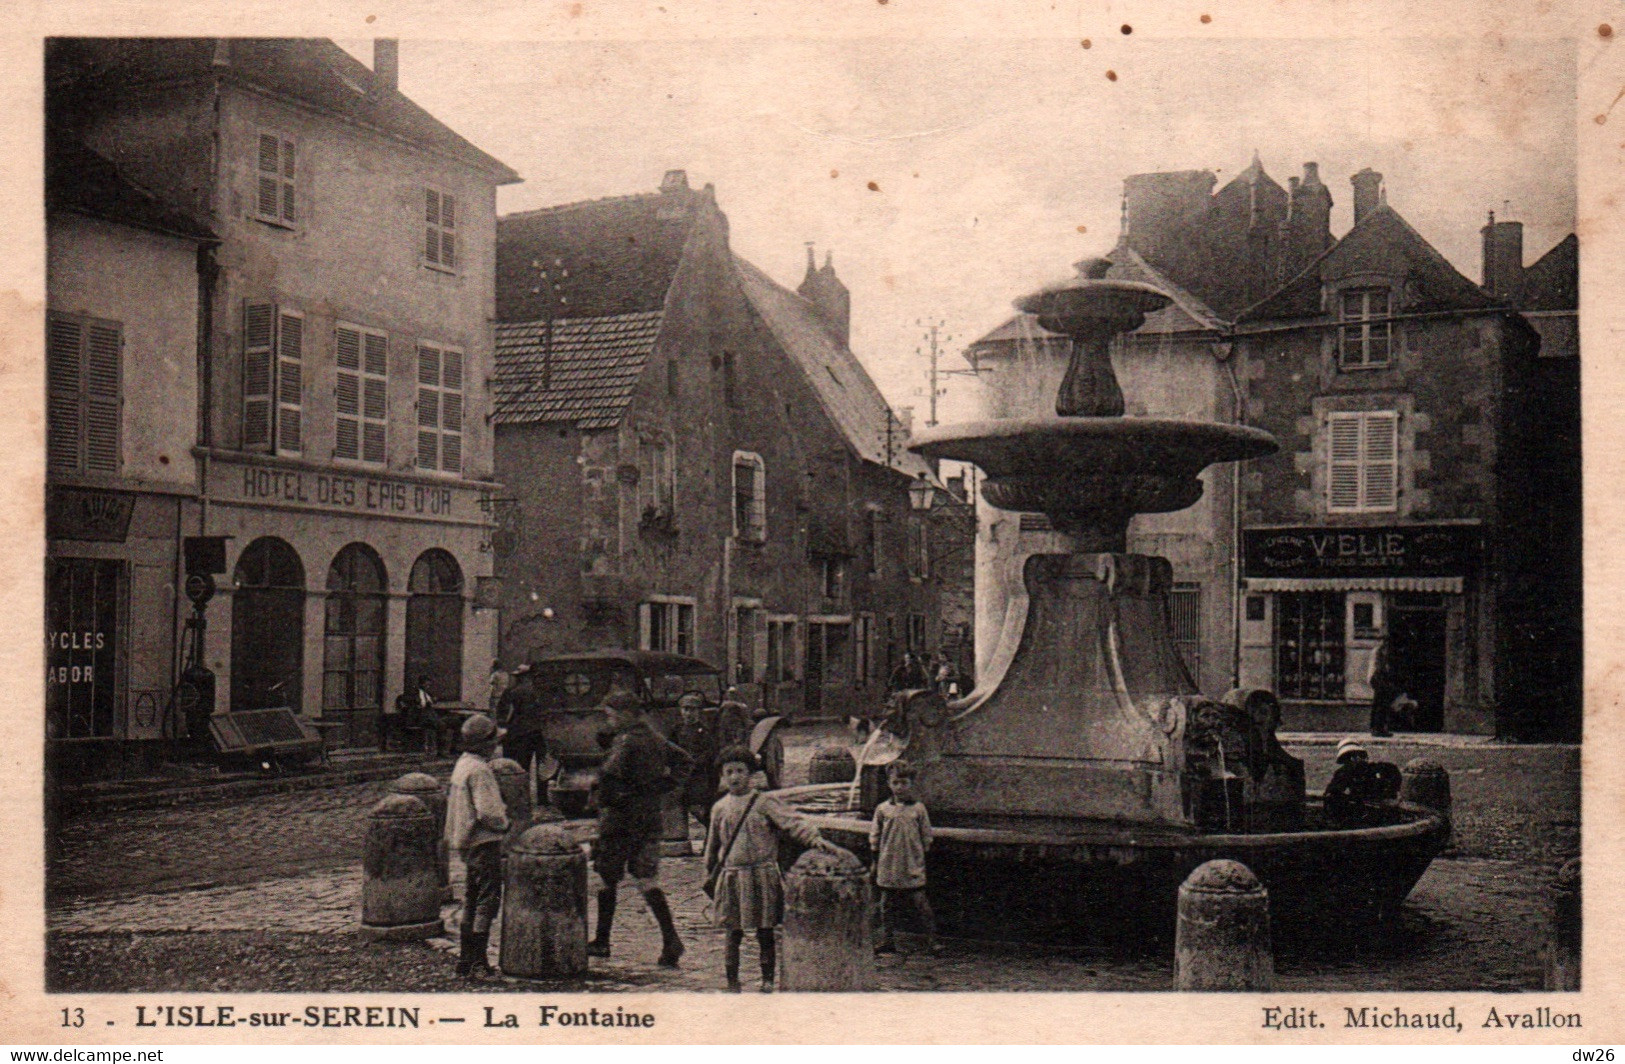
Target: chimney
(1367, 193)
(674, 181)
(825, 291)
(386, 64)
(1503, 258)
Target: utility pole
(935, 341)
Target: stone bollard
(1563, 932)
(1424, 782)
(544, 906)
(1223, 937)
(514, 782)
(426, 789)
(400, 887)
(831, 764)
(828, 944)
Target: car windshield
(666, 688)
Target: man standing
(520, 711)
(640, 769)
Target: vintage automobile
(572, 689)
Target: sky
(949, 176)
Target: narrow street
(273, 885)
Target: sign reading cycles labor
(340, 490)
(1389, 550)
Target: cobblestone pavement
(1466, 926)
(131, 893)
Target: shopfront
(1319, 601)
(346, 589)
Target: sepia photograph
(773, 513)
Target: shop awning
(1446, 584)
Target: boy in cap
(476, 821)
(1358, 785)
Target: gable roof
(581, 371)
(314, 71)
(1373, 245)
(844, 388)
(600, 258)
(83, 182)
(1553, 281)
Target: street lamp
(920, 494)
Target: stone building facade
(341, 434)
(694, 459)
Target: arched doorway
(267, 627)
(434, 626)
(353, 669)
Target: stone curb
(201, 792)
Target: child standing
(476, 820)
(899, 836)
(742, 861)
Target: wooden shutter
(758, 501)
(347, 401)
(431, 226)
(290, 382)
(375, 397)
(64, 368)
(448, 239)
(1380, 483)
(259, 335)
(274, 197)
(1343, 479)
(451, 409)
(102, 343)
(428, 407)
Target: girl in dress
(742, 861)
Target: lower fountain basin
(1091, 880)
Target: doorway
(1416, 649)
(267, 627)
(434, 626)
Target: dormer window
(1364, 331)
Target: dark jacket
(640, 768)
(520, 708)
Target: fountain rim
(1149, 430)
(1111, 833)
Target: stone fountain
(1086, 766)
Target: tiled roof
(843, 386)
(1374, 245)
(602, 257)
(87, 72)
(79, 180)
(583, 374)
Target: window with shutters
(781, 650)
(666, 624)
(440, 408)
(439, 230)
(750, 497)
(1363, 462)
(273, 379)
(1364, 332)
(361, 398)
(84, 390)
(276, 174)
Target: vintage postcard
(555, 523)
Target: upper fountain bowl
(1089, 302)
